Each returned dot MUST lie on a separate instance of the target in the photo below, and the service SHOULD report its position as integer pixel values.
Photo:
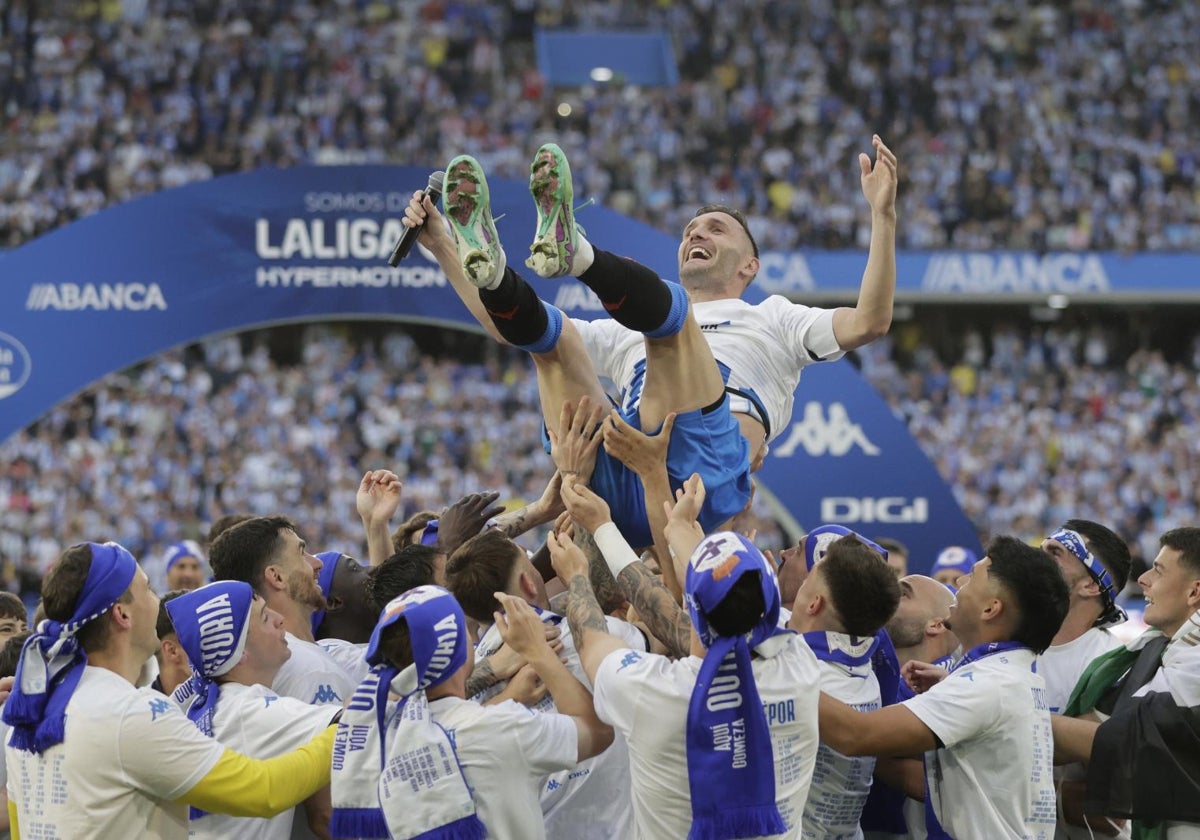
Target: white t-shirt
(128, 753)
(592, 800)
(1061, 666)
(257, 722)
(993, 777)
(763, 346)
(312, 675)
(645, 697)
(351, 657)
(841, 784)
(505, 751)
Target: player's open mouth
(698, 253)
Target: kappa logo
(834, 434)
(325, 694)
(158, 707)
(629, 659)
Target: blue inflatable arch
(310, 243)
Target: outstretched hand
(640, 452)
(879, 181)
(575, 444)
(466, 518)
(378, 496)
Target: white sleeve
(617, 691)
(958, 708)
(807, 331)
(600, 340)
(278, 725)
(548, 741)
(627, 633)
(160, 750)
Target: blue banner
(303, 244)
(992, 275)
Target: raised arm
(647, 456)
(521, 628)
(890, 731)
(871, 317)
(662, 615)
(435, 235)
(683, 530)
(377, 501)
(589, 628)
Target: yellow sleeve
(14, 830)
(247, 787)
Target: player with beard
(267, 553)
(728, 369)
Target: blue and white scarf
(933, 826)
(52, 660)
(212, 623)
(406, 781)
(731, 762)
(1073, 542)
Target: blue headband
(329, 561)
(177, 551)
(52, 660)
(429, 536)
(818, 540)
(733, 792)
(1073, 542)
(436, 627)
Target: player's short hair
(1187, 542)
(1034, 580)
(479, 568)
(408, 568)
(245, 550)
(863, 590)
(409, 532)
(224, 524)
(737, 215)
(12, 607)
(741, 609)
(10, 653)
(165, 627)
(62, 588)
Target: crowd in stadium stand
(1029, 429)
(1021, 125)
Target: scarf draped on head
(402, 778)
(1073, 542)
(731, 762)
(212, 623)
(52, 660)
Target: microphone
(409, 237)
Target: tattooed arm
(534, 514)
(589, 628)
(665, 619)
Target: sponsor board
(885, 509)
(15, 365)
(825, 434)
(95, 297)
